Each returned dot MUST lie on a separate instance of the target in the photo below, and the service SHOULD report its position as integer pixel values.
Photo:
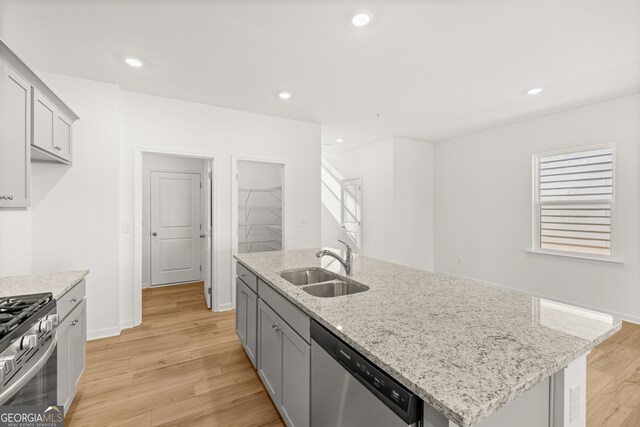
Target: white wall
(75, 208)
(397, 199)
(78, 212)
(167, 164)
(483, 205)
(15, 242)
(414, 203)
(165, 124)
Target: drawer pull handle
(6, 197)
(74, 299)
(276, 327)
(74, 322)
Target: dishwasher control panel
(373, 376)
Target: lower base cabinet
(246, 322)
(72, 336)
(272, 332)
(284, 366)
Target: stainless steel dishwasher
(349, 391)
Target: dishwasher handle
(394, 395)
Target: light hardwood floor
(185, 366)
(182, 366)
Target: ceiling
(422, 70)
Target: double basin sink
(322, 283)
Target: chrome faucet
(345, 263)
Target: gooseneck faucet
(346, 263)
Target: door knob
(202, 236)
(154, 234)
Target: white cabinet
(284, 366)
(34, 125)
(51, 130)
(15, 120)
(72, 336)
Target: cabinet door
(296, 370)
(269, 350)
(62, 137)
(44, 115)
(241, 313)
(64, 394)
(77, 340)
(252, 325)
(15, 121)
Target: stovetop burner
(16, 310)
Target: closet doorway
(176, 226)
(259, 206)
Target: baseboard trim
(126, 324)
(623, 316)
(225, 307)
(102, 333)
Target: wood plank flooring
(185, 367)
(613, 380)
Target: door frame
(234, 208)
(212, 186)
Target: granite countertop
(464, 347)
(56, 283)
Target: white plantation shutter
(575, 200)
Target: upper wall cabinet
(51, 130)
(34, 125)
(15, 117)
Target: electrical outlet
(459, 261)
(126, 227)
(574, 398)
(302, 222)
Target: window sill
(607, 260)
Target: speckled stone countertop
(464, 347)
(56, 283)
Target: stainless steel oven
(28, 361)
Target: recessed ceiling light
(340, 140)
(535, 91)
(362, 18)
(284, 95)
(134, 62)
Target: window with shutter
(574, 196)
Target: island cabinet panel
(247, 277)
(284, 365)
(296, 362)
(15, 118)
(269, 351)
(286, 310)
(72, 336)
(246, 319)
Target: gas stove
(20, 313)
(28, 326)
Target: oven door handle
(33, 370)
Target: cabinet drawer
(68, 301)
(247, 277)
(286, 310)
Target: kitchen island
(467, 349)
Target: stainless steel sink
(322, 283)
(307, 277)
(335, 288)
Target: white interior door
(176, 227)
